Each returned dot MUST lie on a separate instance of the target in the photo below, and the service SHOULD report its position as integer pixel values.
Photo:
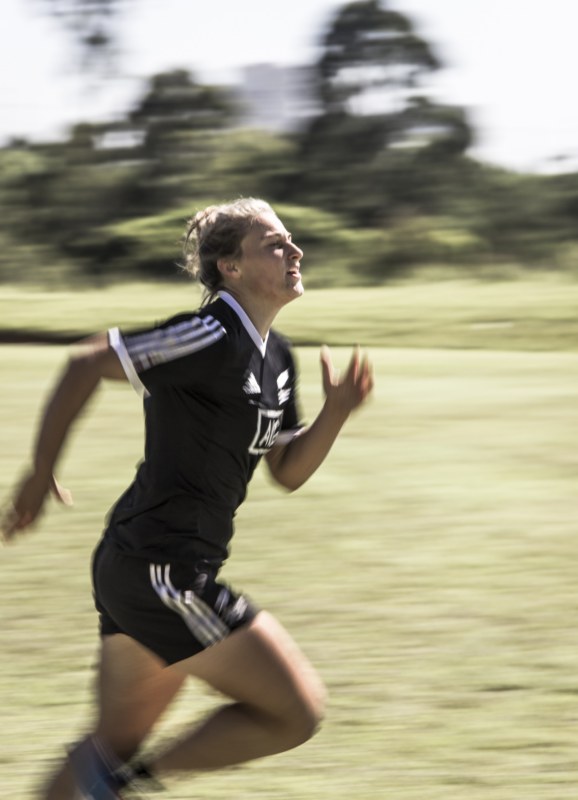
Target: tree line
(375, 182)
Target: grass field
(534, 314)
(428, 569)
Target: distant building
(276, 98)
(566, 164)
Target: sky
(512, 64)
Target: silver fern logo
(283, 393)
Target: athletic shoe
(98, 773)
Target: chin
(293, 293)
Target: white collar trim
(261, 344)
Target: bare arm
(293, 464)
(91, 361)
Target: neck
(259, 312)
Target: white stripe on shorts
(202, 621)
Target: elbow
(288, 482)
(79, 367)
(81, 374)
(291, 487)
(288, 471)
(87, 359)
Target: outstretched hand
(28, 502)
(349, 392)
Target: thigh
(261, 665)
(134, 689)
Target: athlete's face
(269, 265)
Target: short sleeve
(163, 354)
(292, 424)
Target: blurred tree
(156, 159)
(368, 49)
(92, 24)
(379, 153)
(176, 98)
(179, 124)
(368, 82)
(526, 216)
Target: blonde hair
(217, 232)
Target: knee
(307, 714)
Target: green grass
(428, 570)
(533, 314)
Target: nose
(296, 253)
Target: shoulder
(279, 340)
(219, 310)
(215, 318)
(280, 345)
(280, 353)
(213, 310)
(187, 334)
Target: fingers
(7, 523)
(325, 358)
(61, 494)
(355, 385)
(27, 505)
(365, 378)
(13, 521)
(360, 372)
(327, 371)
(353, 368)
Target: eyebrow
(272, 234)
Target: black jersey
(216, 398)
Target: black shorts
(174, 609)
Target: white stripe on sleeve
(117, 343)
(285, 437)
(167, 344)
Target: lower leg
(279, 700)
(233, 735)
(60, 786)
(133, 690)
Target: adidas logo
(251, 386)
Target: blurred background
(392, 136)
(425, 156)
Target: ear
(227, 268)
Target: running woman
(219, 389)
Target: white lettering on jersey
(284, 394)
(268, 427)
